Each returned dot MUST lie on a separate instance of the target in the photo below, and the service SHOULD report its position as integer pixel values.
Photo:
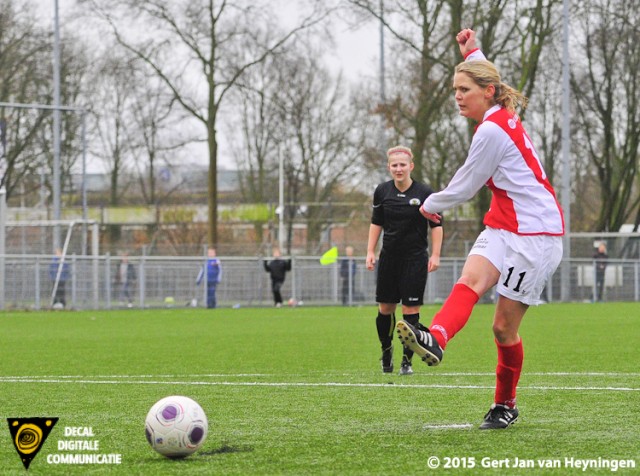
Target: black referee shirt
(398, 213)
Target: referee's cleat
(421, 342)
(387, 359)
(499, 417)
(405, 367)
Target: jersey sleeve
(377, 214)
(476, 55)
(474, 173)
(482, 161)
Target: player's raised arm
(466, 41)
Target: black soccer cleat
(387, 359)
(421, 342)
(499, 417)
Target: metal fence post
(142, 280)
(95, 263)
(3, 221)
(294, 277)
(636, 294)
(107, 280)
(74, 262)
(37, 283)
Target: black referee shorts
(401, 279)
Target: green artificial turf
(300, 391)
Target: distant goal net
(58, 242)
(43, 237)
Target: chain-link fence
(95, 283)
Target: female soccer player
(521, 245)
(404, 260)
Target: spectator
(214, 276)
(600, 262)
(277, 269)
(348, 275)
(59, 273)
(125, 277)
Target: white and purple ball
(176, 426)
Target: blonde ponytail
(510, 98)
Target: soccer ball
(292, 302)
(176, 426)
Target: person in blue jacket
(214, 275)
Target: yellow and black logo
(29, 434)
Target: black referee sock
(412, 319)
(385, 323)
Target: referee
(404, 259)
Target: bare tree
(321, 135)
(606, 87)
(253, 141)
(25, 79)
(293, 110)
(137, 126)
(112, 107)
(24, 49)
(421, 70)
(74, 66)
(158, 135)
(198, 49)
(253, 129)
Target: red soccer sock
(454, 314)
(510, 358)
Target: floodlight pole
(3, 222)
(565, 271)
(281, 202)
(383, 95)
(84, 182)
(56, 126)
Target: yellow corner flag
(330, 256)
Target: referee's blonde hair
(484, 74)
(399, 149)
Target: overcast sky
(357, 51)
(356, 55)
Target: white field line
(311, 374)
(301, 384)
(451, 426)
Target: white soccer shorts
(526, 262)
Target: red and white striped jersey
(502, 157)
